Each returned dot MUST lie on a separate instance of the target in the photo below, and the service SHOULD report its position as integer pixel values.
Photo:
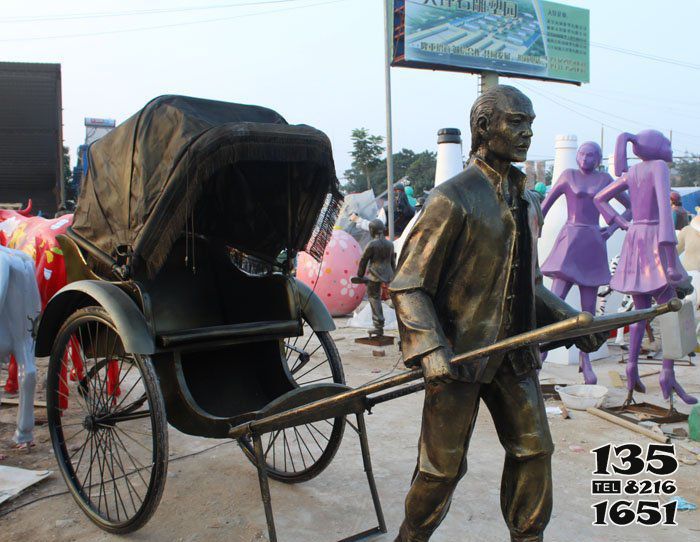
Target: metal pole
(388, 33)
(487, 80)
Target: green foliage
(687, 171)
(366, 152)
(66, 164)
(419, 168)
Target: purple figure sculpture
(579, 255)
(649, 265)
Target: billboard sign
(521, 38)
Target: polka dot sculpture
(332, 284)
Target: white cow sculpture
(20, 306)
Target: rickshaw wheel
(298, 454)
(107, 423)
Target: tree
(421, 172)
(366, 150)
(66, 164)
(687, 171)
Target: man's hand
(437, 367)
(591, 343)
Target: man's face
(509, 133)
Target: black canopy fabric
(239, 172)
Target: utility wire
(173, 25)
(598, 121)
(130, 13)
(607, 113)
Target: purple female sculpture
(649, 266)
(579, 255)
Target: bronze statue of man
(468, 276)
(378, 262)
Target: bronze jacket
(452, 280)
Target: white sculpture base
(564, 356)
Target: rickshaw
(182, 307)
(182, 302)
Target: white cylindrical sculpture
(565, 147)
(449, 155)
(611, 165)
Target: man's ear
(482, 124)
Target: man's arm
(364, 260)
(423, 259)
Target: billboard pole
(388, 32)
(487, 80)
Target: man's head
(676, 199)
(501, 124)
(376, 228)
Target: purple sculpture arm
(557, 190)
(602, 202)
(624, 199)
(667, 234)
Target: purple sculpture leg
(634, 383)
(588, 302)
(667, 379)
(561, 288)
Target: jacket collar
(515, 176)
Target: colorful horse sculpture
(20, 307)
(36, 237)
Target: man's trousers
(449, 414)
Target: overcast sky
(323, 65)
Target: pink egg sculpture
(332, 284)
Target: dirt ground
(214, 495)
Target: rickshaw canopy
(239, 173)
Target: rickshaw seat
(218, 302)
(275, 328)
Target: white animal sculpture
(20, 306)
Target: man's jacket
(452, 280)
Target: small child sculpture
(378, 263)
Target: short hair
(484, 106)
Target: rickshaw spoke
(313, 459)
(308, 371)
(82, 453)
(88, 474)
(126, 477)
(96, 371)
(121, 402)
(319, 432)
(307, 341)
(318, 380)
(314, 437)
(110, 467)
(296, 435)
(132, 438)
(81, 342)
(130, 431)
(288, 448)
(101, 462)
(272, 441)
(68, 397)
(133, 460)
(65, 440)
